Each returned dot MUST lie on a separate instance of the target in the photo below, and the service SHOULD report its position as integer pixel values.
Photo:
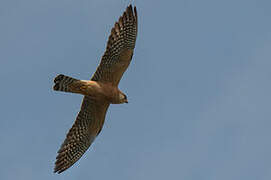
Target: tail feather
(63, 82)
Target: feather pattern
(87, 126)
(119, 49)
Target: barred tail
(62, 83)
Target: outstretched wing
(119, 50)
(87, 126)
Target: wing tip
(135, 11)
(59, 170)
(131, 10)
(61, 166)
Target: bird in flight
(101, 91)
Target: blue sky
(198, 89)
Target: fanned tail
(63, 83)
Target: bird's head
(122, 98)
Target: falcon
(99, 92)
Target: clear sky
(199, 89)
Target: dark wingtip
(129, 9)
(59, 167)
(135, 11)
(58, 171)
(55, 171)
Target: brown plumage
(101, 91)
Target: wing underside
(87, 126)
(119, 50)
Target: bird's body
(101, 91)
(96, 90)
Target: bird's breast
(102, 90)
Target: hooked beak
(126, 101)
